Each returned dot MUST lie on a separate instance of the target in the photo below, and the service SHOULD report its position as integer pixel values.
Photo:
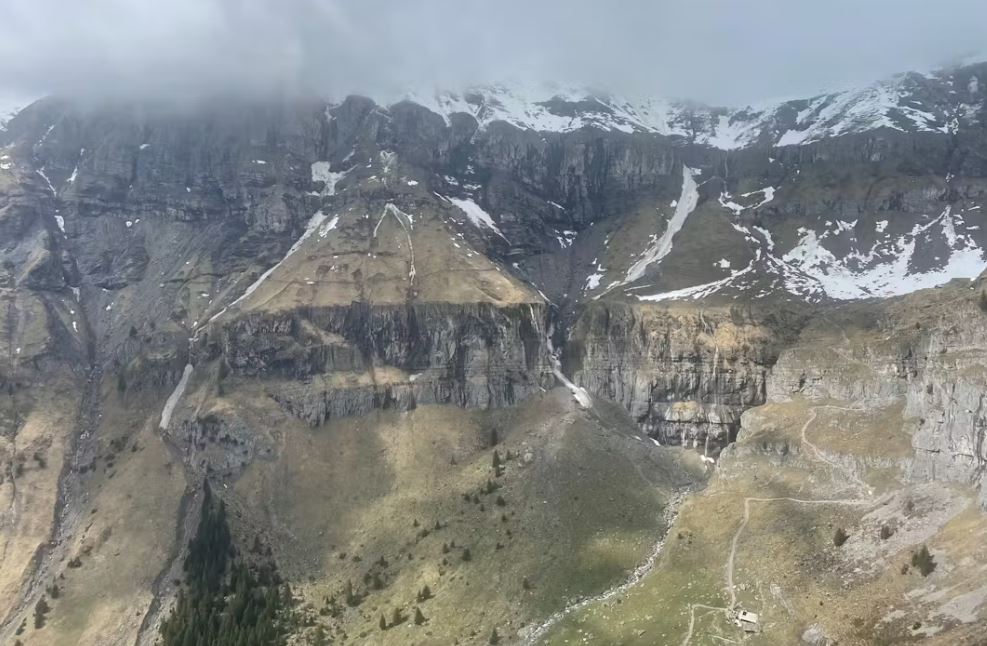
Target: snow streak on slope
(684, 206)
(476, 215)
(892, 266)
(175, 397)
(314, 224)
(391, 209)
(698, 291)
(320, 173)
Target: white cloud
(715, 50)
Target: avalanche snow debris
(659, 249)
(175, 397)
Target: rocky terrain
(336, 314)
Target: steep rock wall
(925, 352)
(342, 361)
(684, 373)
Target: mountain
(937, 102)
(272, 369)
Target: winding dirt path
(822, 458)
(743, 525)
(729, 567)
(534, 634)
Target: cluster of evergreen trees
(224, 603)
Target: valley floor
(762, 538)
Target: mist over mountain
(719, 52)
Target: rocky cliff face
(923, 353)
(685, 374)
(378, 357)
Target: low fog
(718, 51)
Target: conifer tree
(397, 618)
(425, 594)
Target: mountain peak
(908, 102)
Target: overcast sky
(720, 51)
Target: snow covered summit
(936, 102)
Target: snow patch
(885, 270)
(314, 224)
(663, 246)
(321, 173)
(175, 397)
(475, 214)
(328, 226)
(41, 173)
(391, 209)
(698, 291)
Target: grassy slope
(583, 506)
(126, 535)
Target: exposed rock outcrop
(342, 361)
(685, 374)
(923, 352)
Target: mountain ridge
(895, 103)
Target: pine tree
(397, 618)
(41, 610)
(924, 561)
(425, 594)
(223, 603)
(383, 622)
(494, 637)
(419, 617)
